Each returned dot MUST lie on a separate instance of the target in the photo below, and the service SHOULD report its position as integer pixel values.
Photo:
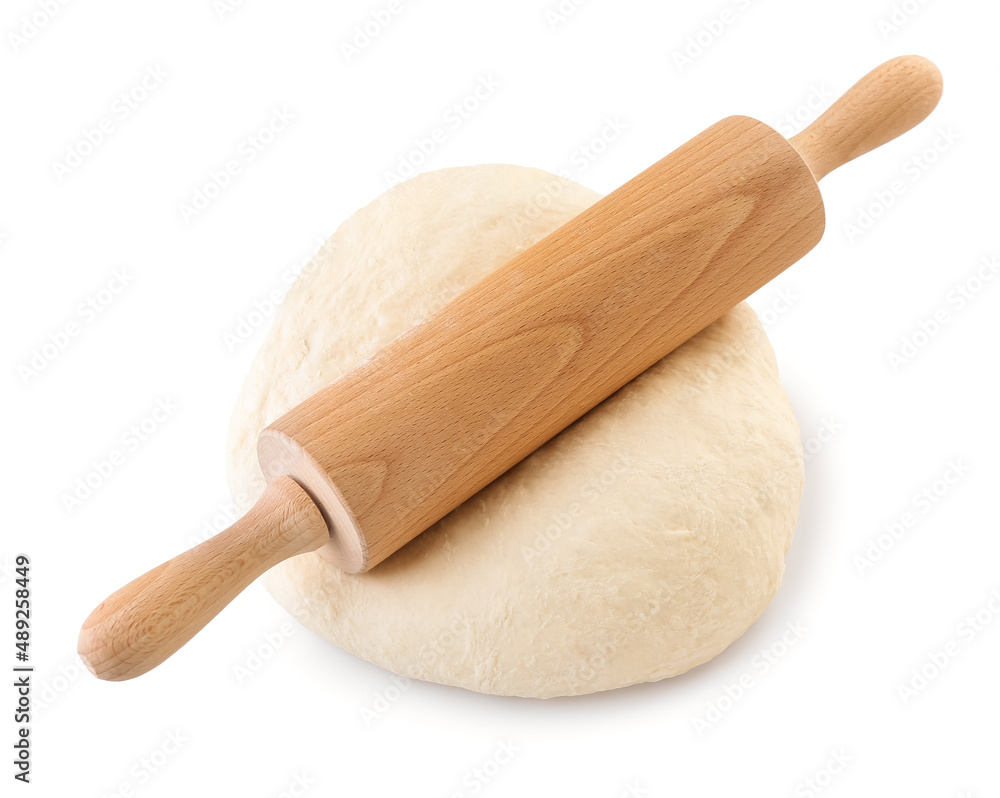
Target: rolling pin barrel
(400, 441)
(367, 463)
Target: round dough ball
(638, 543)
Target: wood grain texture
(139, 626)
(407, 436)
(884, 104)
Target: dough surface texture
(635, 545)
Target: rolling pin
(370, 461)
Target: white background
(835, 692)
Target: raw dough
(637, 544)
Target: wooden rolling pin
(370, 461)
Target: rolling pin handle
(143, 623)
(884, 104)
